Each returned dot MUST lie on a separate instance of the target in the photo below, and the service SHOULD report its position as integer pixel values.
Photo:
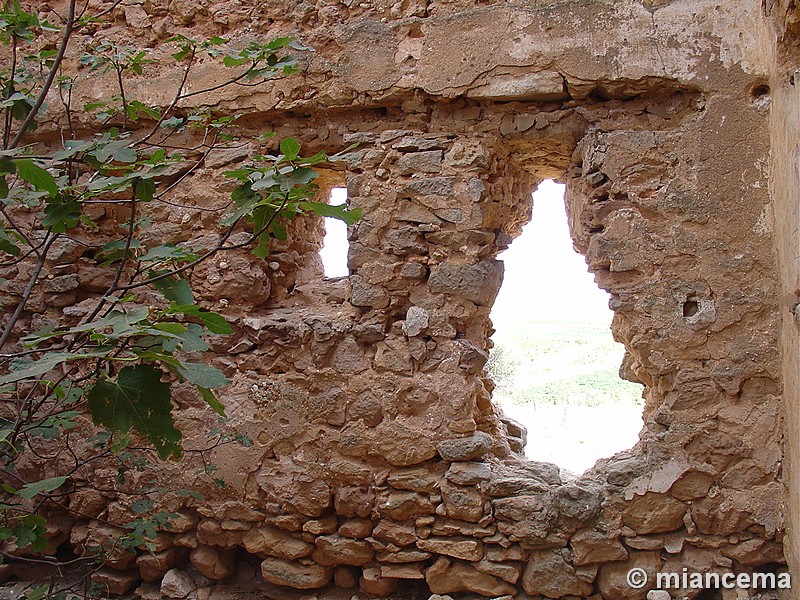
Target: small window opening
(335, 245)
(555, 363)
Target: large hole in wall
(335, 245)
(555, 363)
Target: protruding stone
(464, 503)
(357, 528)
(213, 563)
(463, 548)
(372, 582)
(591, 546)
(152, 567)
(467, 448)
(447, 577)
(468, 473)
(420, 479)
(269, 541)
(478, 283)
(547, 573)
(115, 582)
(404, 505)
(295, 575)
(654, 513)
(177, 584)
(336, 550)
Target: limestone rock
(612, 577)
(448, 577)
(356, 528)
(177, 584)
(465, 503)
(336, 550)
(591, 546)
(354, 501)
(467, 448)
(295, 575)
(115, 582)
(506, 571)
(152, 567)
(468, 473)
(372, 582)
(654, 513)
(269, 541)
(547, 573)
(420, 479)
(463, 548)
(397, 533)
(404, 505)
(213, 563)
(478, 283)
(416, 322)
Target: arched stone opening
(553, 360)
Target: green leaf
(212, 400)
(37, 593)
(175, 289)
(61, 216)
(203, 375)
(337, 211)
(214, 322)
(39, 178)
(34, 370)
(145, 189)
(167, 252)
(7, 244)
(290, 148)
(29, 490)
(125, 155)
(138, 400)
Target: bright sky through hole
(335, 245)
(550, 281)
(556, 360)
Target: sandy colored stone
(177, 584)
(213, 563)
(548, 573)
(463, 548)
(372, 582)
(465, 503)
(612, 577)
(356, 528)
(448, 577)
(654, 513)
(591, 546)
(337, 550)
(114, 581)
(269, 541)
(152, 567)
(295, 575)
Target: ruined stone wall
(379, 458)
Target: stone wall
(379, 458)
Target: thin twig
(62, 49)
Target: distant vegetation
(551, 363)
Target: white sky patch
(335, 244)
(545, 279)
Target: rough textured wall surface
(379, 458)
(785, 183)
